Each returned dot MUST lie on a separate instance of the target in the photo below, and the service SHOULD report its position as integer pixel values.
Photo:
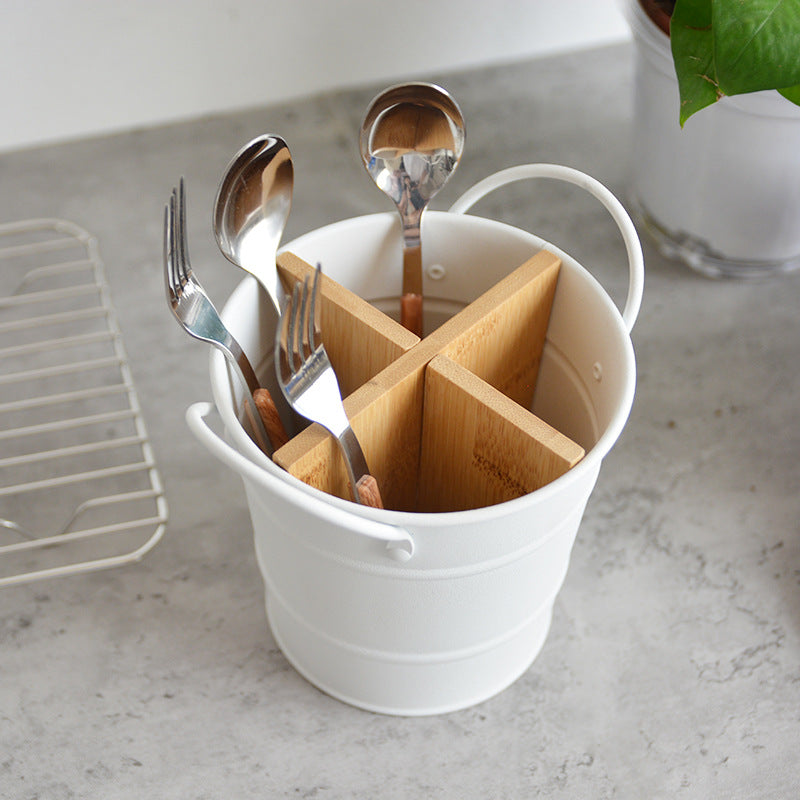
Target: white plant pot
(723, 193)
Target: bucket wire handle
(633, 246)
(399, 544)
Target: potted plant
(719, 189)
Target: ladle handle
(633, 246)
(411, 301)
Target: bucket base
(696, 253)
(404, 685)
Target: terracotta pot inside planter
(660, 11)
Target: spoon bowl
(251, 208)
(411, 141)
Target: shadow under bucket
(414, 613)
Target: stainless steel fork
(196, 313)
(309, 383)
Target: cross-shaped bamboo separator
(444, 421)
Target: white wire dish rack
(79, 488)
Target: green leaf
(734, 47)
(691, 39)
(792, 93)
(756, 44)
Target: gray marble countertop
(672, 668)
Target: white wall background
(71, 68)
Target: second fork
(309, 384)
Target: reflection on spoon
(251, 208)
(411, 141)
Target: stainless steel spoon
(251, 208)
(411, 141)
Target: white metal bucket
(410, 613)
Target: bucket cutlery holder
(421, 613)
(444, 421)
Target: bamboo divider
(444, 421)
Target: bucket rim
(295, 491)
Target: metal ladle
(251, 209)
(411, 141)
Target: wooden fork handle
(368, 492)
(268, 412)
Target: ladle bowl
(411, 141)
